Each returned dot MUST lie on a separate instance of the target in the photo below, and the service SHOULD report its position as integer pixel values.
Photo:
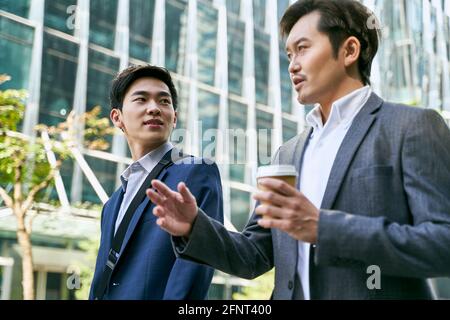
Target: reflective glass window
(262, 54)
(18, 7)
(176, 23)
(59, 69)
(206, 42)
(289, 129)
(208, 115)
(259, 13)
(103, 17)
(237, 124)
(60, 15)
(16, 44)
(141, 28)
(240, 208)
(233, 6)
(236, 41)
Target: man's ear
(352, 51)
(175, 119)
(116, 118)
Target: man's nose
(153, 108)
(294, 66)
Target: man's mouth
(154, 123)
(298, 80)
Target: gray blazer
(387, 203)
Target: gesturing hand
(176, 211)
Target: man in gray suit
(370, 218)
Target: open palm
(176, 211)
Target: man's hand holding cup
(283, 206)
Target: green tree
(25, 172)
(260, 288)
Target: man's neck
(139, 151)
(343, 90)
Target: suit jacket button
(291, 285)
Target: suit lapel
(113, 208)
(136, 217)
(349, 146)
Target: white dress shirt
(319, 157)
(133, 177)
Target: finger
(278, 186)
(159, 212)
(156, 198)
(163, 189)
(270, 211)
(271, 197)
(273, 223)
(185, 193)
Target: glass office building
(230, 70)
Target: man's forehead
(146, 82)
(305, 29)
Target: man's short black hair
(125, 78)
(339, 20)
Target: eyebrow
(297, 42)
(146, 94)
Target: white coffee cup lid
(276, 171)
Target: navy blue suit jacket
(147, 267)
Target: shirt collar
(343, 110)
(146, 163)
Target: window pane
(105, 171)
(447, 35)
(240, 208)
(259, 13)
(289, 129)
(237, 117)
(206, 45)
(18, 7)
(103, 16)
(16, 44)
(236, 40)
(286, 87)
(233, 6)
(264, 125)
(176, 19)
(59, 68)
(262, 52)
(101, 71)
(179, 134)
(54, 285)
(141, 28)
(57, 16)
(208, 114)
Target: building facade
(230, 70)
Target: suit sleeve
(418, 250)
(246, 255)
(190, 280)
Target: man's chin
(305, 99)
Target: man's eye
(165, 101)
(139, 99)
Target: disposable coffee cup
(285, 173)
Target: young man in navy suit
(144, 104)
